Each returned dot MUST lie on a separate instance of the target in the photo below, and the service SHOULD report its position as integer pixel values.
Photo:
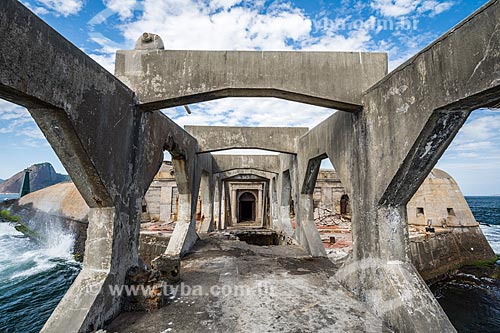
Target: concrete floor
(258, 289)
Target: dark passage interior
(246, 207)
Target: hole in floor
(260, 238)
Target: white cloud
(35, 9)
(473, 157)
(435, 7)
(63, 7)
(250, 112)
(105, 60)
(124, 8)
(396, 8)
(222, 25)
(15, 120)
(480, 131)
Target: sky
(399, 27)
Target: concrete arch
(217, 138)
(266, 163)
(176, 78)
(250, 172)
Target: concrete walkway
(237, 287)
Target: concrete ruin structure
(388, 133)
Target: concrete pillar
(306, 232)
(259, 209)
(107, 260)
(165, 202)
(274, 202)
(234, 203)
(223, 208)
(284, 196)
(218, 203)
(184, 235)
(227, 211)
(207, 201)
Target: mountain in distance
(42, 175)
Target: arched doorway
(246, 207)
(344, 203)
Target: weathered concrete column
(228, 202)
(165, 209)
(184, 235)
(306, 232)
(284, 223)
(207, 199)
(89, 297)
(264, 203)
(223, 208)
(234, 203)
(218, 202)
(273, 203)
(260, 207)
(110, 150)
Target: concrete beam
(176, 78)
(216, 138)
(267, 163)
(242, 174)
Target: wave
(34, 276)
(22, 257)
(492, 234)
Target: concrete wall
(161, 205)
(328, 191)
(437, 254)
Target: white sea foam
(22, 257)
(492, 234)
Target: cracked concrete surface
(262, 289)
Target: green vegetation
(486, 262)
(27, 231)
(7, 216)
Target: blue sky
(399, 27)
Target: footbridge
(110, 135)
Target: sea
(35, 276)
(471, 297)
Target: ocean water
(471, 298)
(33, 277)
(4, 196)
(486, 210)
